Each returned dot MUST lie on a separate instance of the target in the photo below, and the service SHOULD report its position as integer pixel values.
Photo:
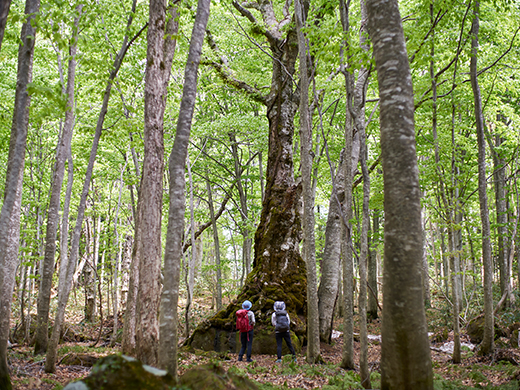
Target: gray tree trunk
(405, 351)
(499, 175)
(247, 241)
(10, 214)
(330, 264)
(4, 12)
(372, 268)
(487, 345)
(347, 361)
(168, 322)
(216, 245)
(64, 141)
(309, 246)
(190, 266)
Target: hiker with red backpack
(281, 321)
(245, 324)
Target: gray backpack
(282, 324)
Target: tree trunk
(247, 242)
(309, 246)
(67, 266)
(405, 352)
(372, 268)
(330, 264)
(10, 214)
(347, 361)
(64, 141)
(4, 12)
(487, 345)
(499, 175)
(216, 244)
(147, 252)
(168, 321)
(190, 266)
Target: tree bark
(216, 244)
(146, 254)
(4, 12)
(64, 142)
(330, 264)
(347, 361)
(168, 322)
(309, 245)
(487, 345)
(10, 214)
(405, 351)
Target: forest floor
(498, 371)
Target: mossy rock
(214, 377)
(79, 359)
(264, 341)
(475, 329)
(117, 372)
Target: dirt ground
(480, 372)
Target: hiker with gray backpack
(281, 321)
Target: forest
(164, 161)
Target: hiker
(281, 321)
(245, 323)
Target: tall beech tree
(279, 272)
(168, 320)
(487, 345)
(10, 214)
(161, 48)
(144, 290)
(405, 351)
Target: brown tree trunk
(279, 272)
(146, 260)
(405, 352)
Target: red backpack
(243, 321)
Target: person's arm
(252, 318)
(273, 319)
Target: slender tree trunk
(372, 268)
(330, 264)
(67, 266)
(487, 345)
(4, 12)
(190, 269)
(499, 175)
(168, 321)
(10, 214)
(363, 259)
(247, 241)
(216, 244)
(405, 352)
(347, 361)
(309, 246)
(117, 265)
(47, 271)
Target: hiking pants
(287, 337)
(246, 338)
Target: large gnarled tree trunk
(279, 272)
